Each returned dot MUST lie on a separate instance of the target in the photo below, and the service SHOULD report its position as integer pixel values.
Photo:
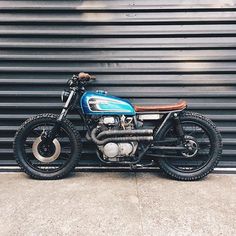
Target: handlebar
(80, 79)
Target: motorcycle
(186, 145)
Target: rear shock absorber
(178, 128)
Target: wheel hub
(46, 153)
(191, 147)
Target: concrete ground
(117, 203)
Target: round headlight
(70, 82)
(64, 95)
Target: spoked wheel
(204, 148)
(47, 160)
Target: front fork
(50, 136)
(66, 106)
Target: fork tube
(49, 138)
(65, 108)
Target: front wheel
(205, 148)
(43, 160)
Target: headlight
(70, 82)
(64, 95)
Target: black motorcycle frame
(76, 90)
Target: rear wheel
(204, 148)
(43, 160)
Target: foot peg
(140, 166)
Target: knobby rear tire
(19, 156)
(217, 149)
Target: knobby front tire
(23, 150)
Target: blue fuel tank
(100, 103)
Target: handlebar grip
(85, 76)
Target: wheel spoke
(36, 132)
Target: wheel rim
(201, 157)
(56, 158)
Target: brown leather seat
(178, 106)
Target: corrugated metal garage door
(153, 51)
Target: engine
(114, 151)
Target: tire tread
(20, 132)
(192, 177)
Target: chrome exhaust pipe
(124, 132)
(121, 139)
